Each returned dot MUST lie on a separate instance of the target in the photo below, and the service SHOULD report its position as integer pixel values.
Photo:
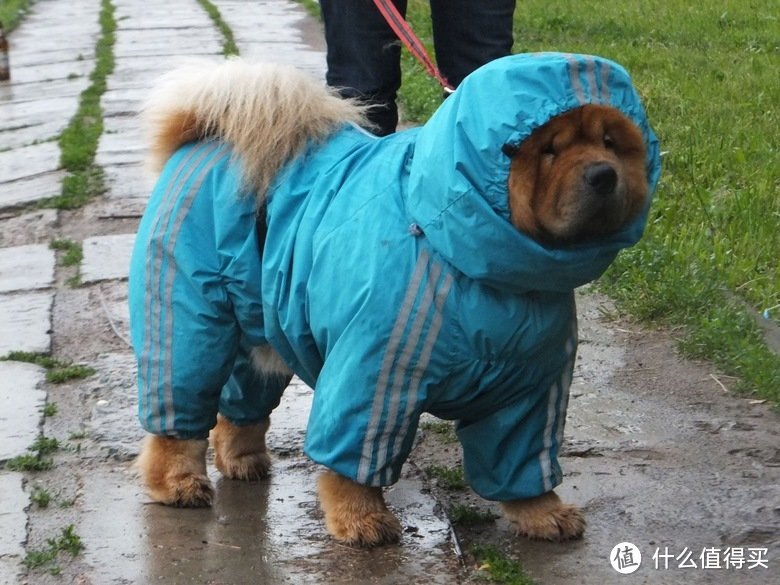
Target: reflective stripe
(155, 298)
(574, 77)
(387, 363)
(399, 377)
(150, 360)
(170, 274)
(425, 358)
(604, 66)
(544, 457)
(590, 76)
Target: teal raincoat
(391, 281)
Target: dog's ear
(510, 150)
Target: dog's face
(579, 177)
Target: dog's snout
(601, 177)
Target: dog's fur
(580, 176)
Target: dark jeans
(364, 53)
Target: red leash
(410, 40)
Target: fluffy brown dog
(581, 178)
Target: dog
(429, 271)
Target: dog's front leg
(356, 514)
(545, 517)
(174, 471)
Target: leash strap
(410, 40)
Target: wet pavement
(656, 452)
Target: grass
(46, 559)
(448, 478)
(34, 459)
(57, 371)
(72, 252)
(465, 515)
(445, 430)
(710, 260)
(497, 567)
(40, 497)
(79, 141)
(229, 46)
(12, 12)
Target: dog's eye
(608, 142)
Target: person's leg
(364, 57)
(468, 34)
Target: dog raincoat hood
(466, 216)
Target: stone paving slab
(32, 227)
(270, 30)
(25, 322)
(28, 161)
(22, 398)
(31, 189)
(26, 268)
(106, 257)
(13, 522)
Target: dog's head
(578, 177)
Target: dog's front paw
(356, 514)
(174, 471)
(545, 517)
(240, 451)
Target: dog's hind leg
(356, 514)
(174, 471)
(240, 451)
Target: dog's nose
(602, 177)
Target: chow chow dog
(428, 271)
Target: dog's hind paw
(545, 517)
(191, 491)
(249, 467)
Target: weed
(68, 542)
(57, 371)
(45, 445)
(73, 252)
(443, 429)
(499, 568)
(49, 409)
(469, 515)
(12, 12)
(448, 478)
(229, 46)
(78, 435)
(67, 373)
(29, 462)
(40, 497)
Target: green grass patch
(497, 567)
(469, 515)
(57, 371)
(34, 459)
(40, 497)
(229, 46)
(50, 409)
(46, 559)
(443, 429)
(79, 141)
(707, 73)
(29, 462)
(73, 253)
(448, 478)
(12, 12)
